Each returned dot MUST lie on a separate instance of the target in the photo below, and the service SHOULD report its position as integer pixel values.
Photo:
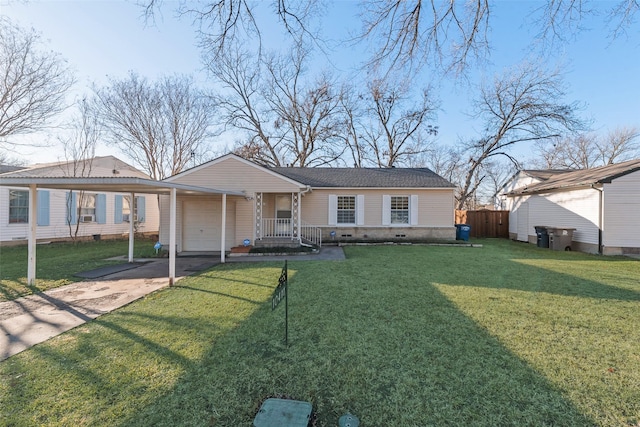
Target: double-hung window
(18, 207)
(346, 210)
(399, 209)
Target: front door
(283, 215)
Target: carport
(114, 185)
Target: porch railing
(311, 234)
(283, 228)
(277, 227)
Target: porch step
(274, 242)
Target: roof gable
(224, 158)
(96, 167)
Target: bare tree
(447, 35)
(309, 115)
(286, 118)
(400, 129)
(572, 152)
(521, 107)
(353, 116)
(619, 145)
(243, 105)
(160, 125)
(224, 23)
(33, 82)
(7, 160)
(411, 33)
(79, 152)
(589, 150)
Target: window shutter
(72, 208)
(43, 207)
(333, 209)
(141, 208)
(360, 209)
(117, 216)
(413, 209)
(386, 210)
(101, 208)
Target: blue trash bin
(462, 231)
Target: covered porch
(279, 221)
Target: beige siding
(58, 227)
(245, 224)
(235, 175)
(436, 207)
(209, 221)
(622, 210)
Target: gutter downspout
(306, 190)
(600, 217)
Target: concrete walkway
(33, 319)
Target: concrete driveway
(33, 319)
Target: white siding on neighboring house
(622, 212)
(58, 227)
(522, 222)
(577, 209)
(572, 209)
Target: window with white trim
(87, 207)
(399, 210)
(126, 208)
(18, 207)
(346, 210)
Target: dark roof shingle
(364, 177)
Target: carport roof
(112, 184)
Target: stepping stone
(283, 413)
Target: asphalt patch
(109, 269)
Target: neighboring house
(306, 205)
(60, 211)
(602, 204)
(522, 179)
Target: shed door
(201, 223)
(522, 216)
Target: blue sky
(101, 38)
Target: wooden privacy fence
(485, 223)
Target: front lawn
(506, 334)
(58, 262)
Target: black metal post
(286, 305)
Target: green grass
(506, 334)
(58, 262)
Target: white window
(346, 210)
(18, 207)
(87, 207)
(126, 208)
(399, 210)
